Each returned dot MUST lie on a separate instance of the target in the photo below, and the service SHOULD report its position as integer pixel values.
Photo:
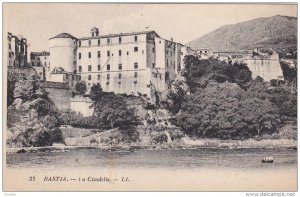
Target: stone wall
(60, 94)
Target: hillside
(271, 32)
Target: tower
(63, 52)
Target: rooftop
(120, 34)
(63, 35)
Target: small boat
(269, 159)
(21, 151)
(292, 148)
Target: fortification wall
(267, 68)
(60, 94)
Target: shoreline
(120, 148)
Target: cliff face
(271, 32)
(32, 116)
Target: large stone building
(128, 63)
(17, 51)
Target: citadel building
(128, 63)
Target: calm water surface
(171, 159)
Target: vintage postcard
(150, 97)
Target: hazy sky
(184, 22)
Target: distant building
(185, 50)
(40, 61)
(17, 51)
(62, 76)
(203, 53)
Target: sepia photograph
(150, 97)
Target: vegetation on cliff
(224, 102)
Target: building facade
(17, 51)
(130, 63)
(40, 61)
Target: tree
(25, 89)
(112, 110)
(196, 70)
(220, 111)
(10, 92)
(176, 94)
(80, 87)
(96, 92)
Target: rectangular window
(90, 54)
(119, 82)
(107, 76)
(108, 67)
(120, 39)
(79, 44)
(89, 68)
(136, 65)
(120, 75)
(136, 49)
(108, 53)
(135, 38)
(79, 55)
(135, 82)
(31, 63)
(98, 77)
(98, 42)
(127, 53)
(99, 67)
(99, 54)
(90, 42)
(153, 50)
(120, 66)
(120, 52)
(153, 65)
(79, 68)
(107, 83)
(135, 74)
(89, 84)
(108, 40)
(79, 77)
(90, 77)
